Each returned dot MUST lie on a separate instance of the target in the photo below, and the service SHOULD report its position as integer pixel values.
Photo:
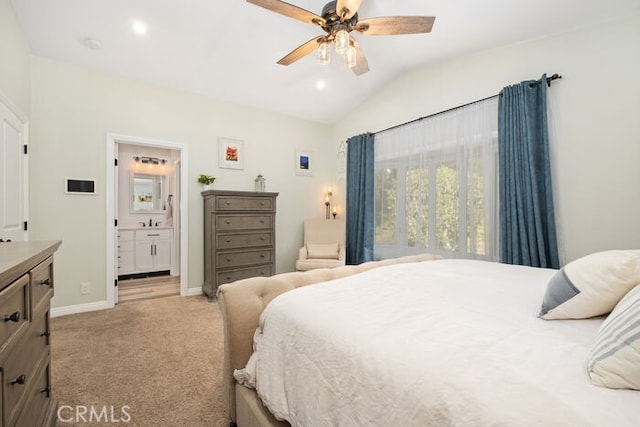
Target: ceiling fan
(338, 19)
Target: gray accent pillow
(560, 291)
(591, 286)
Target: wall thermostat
(80, 186)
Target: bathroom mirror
(148, 193)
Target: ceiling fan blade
(391, 25)
(361, 66)
(301, 51)
(347, 8)
(289, 10)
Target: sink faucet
(150, 222)
(144, 224)
(158, 222)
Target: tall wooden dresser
(26, 286)
(239, 237)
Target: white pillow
(614, 361)
(592, 285)
(323, 250)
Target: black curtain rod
(549, 80)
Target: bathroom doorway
(146, 226)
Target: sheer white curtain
(436, 185)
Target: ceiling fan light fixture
(350, 57)
(337, 20)
(342, 41)
(324, 53)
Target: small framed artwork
(231, 155)
(304, 162)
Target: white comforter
(452, 342)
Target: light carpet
(150, 363)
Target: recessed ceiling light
(321, 84)
(139, 27)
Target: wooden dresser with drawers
(26, 287)
(239, 236)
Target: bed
(412, 342)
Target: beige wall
(73, 108)
(15, 78)
(595, 110)
(595, 121)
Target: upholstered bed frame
(241, 303)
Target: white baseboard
(80, 308)
(193, 292)
(102, 305)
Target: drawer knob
(228, 240)
(46, 282)
(228, 222)
(13, 317)
(18, 380)
(262, 255)
(228, 279)
(228, 202)
(228, 259)
(262, 238)
(261, 203)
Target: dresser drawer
(247, 240)
(20, 368)
(237, 259)
(41, 284)
(233, 275)
(38, 401)
(242, 203)
(243, 222)
(14, 309)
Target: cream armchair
(324, 244)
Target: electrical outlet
(85, 288)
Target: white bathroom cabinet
(144, 250)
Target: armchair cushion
(323, 250)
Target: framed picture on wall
(231, 154)
(304, 162)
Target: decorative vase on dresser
(239, 237)
(26, 288)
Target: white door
(128, 260)
(13, 175)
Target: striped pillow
(614, 361)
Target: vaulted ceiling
(228, 49)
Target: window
(436, 185)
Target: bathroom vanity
(144, 250)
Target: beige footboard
(243, 301)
